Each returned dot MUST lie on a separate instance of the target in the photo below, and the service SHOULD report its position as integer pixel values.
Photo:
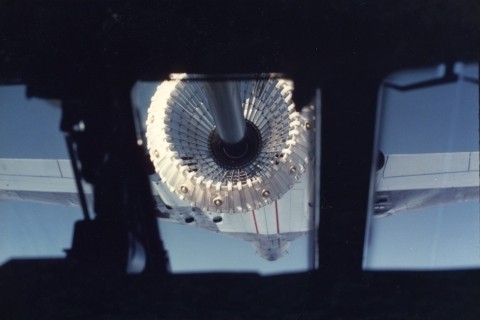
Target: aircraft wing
(270, 229)
(414, 181)
(39, 180)
(51, 181)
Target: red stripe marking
(276, 215)
(255, 220)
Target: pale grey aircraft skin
(270, 229)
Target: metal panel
(30, 167)
(37, 184)
(65, 168)
(474, 163)
(423, 164)
(429, 181)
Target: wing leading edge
(414, 181)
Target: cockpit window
(31, 146)
(424, 204)
(219, 208)
(246, 208)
